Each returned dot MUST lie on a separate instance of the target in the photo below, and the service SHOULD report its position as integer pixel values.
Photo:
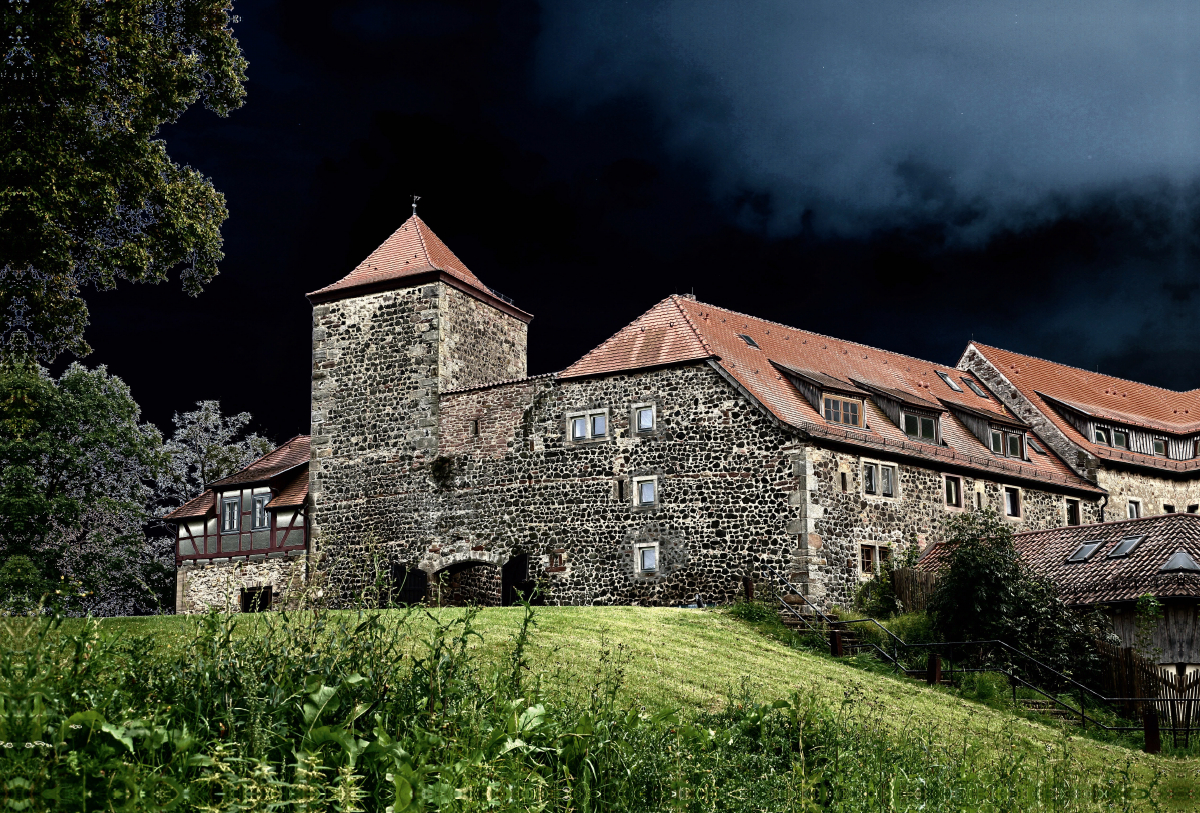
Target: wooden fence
(913, 588)
(1128, 674)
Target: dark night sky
(905, 174)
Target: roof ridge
(974, 343)
(675, 299)
(621, 332)
(1180, 514)
(418, 223)
(827, 337)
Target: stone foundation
(203, 585)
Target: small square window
(974, 387)
(997, 442)
(1160, 446)
(1102, 436)
(1193, 508)
(645, 419)
(1014, 446)
(749, 342)
(229, 515)
(1012, 502)
(261, 520)
(475, 428)
(870, 478)
(1134, 509)
(1120, 439)
(256, 599)
(1124, 547)
(954, 492)
(645, 492)
(949, 382)
(647, 559)
(1168, 508)
(912, 425)
(578, 428)
(599, 426)
(887, 480)
(868, 559)
(1084, 552)
(1072, 512)
(556, 560)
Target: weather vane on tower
(415, 199)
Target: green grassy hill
(693, 659)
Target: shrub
(877, 596)
(753, 611)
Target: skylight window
(1033, 444)
(1125, 547)
(1085, 552)
(974, 387)
(949, 382)
(749, 341)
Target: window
(260, 519)
(1101, 435)
(974, 387)
(1193, 509)
(1168, 508)
(1124, 547)
(749, 342)
(920, 427)
(997, 441)
(844, 412)
(1072, 512)
(1160, 446)
(949, 382)
(887, 480)
(588, 426)
(1015, 446)
(1134, 509)
(229, 515)
(647, 559)
(953, 491)
(556, 559)
(870, 478)
(256, 599)
(885, 556)
(868, 559)
(621, 491)
(1120, 439)
(475, 428)
(845, 483)
(1084, 552)
(645, 492)
(644, 419)
(1010, 443)
(979, 500)
(1033, 444)
(1012, 502)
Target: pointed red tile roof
(680, 329)
(195, 508)
(291, 495)
(288, 456)
(412, 251)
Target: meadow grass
(696, 660)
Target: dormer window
(920, 427)
(1102, 436)
(1015, 446)
(1011, 444)
(840, 410)
(1120, 439)
(949, 381)
(1160, 446)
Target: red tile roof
(680, 329)
(291, 454)
(1101, 579)
(1102, 396)
(293, 494)
(197, 508)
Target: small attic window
(1124, 547)
(1084, 552)
(1120, 439)
(949, 381)
(1160, 446)
(1033, 444)
(750, 342)
(974, 387)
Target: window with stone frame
(585, 426)
(645, 558)
(1168, 508)
(1012, 502)
(644, 418)
(1133, 509)
(879, 479)
(645, 492)
(953, 491)
(1073, 516)
(230, 515)
(867, 559)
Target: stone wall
(1153, 491)
(379, 362)
(219, 583)
(477, 584)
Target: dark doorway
(256, 599)
(514, 579)
(409, 585)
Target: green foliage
(914, 628)
(76, 463)
(21, 586)
(986, 592)
(753, 611)
(364, 711)
(877, 596)
(88, 194)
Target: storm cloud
(982, 115)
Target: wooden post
(748, 588)
(835, 643)
(935, 669)
(1150, 726)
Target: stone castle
(694, 451)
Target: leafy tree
(88, 195)
(77, 467)
(206, 446)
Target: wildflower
(76, 726)
(28, 745)
(8, 745)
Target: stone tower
(410, 322)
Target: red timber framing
(202, 537)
